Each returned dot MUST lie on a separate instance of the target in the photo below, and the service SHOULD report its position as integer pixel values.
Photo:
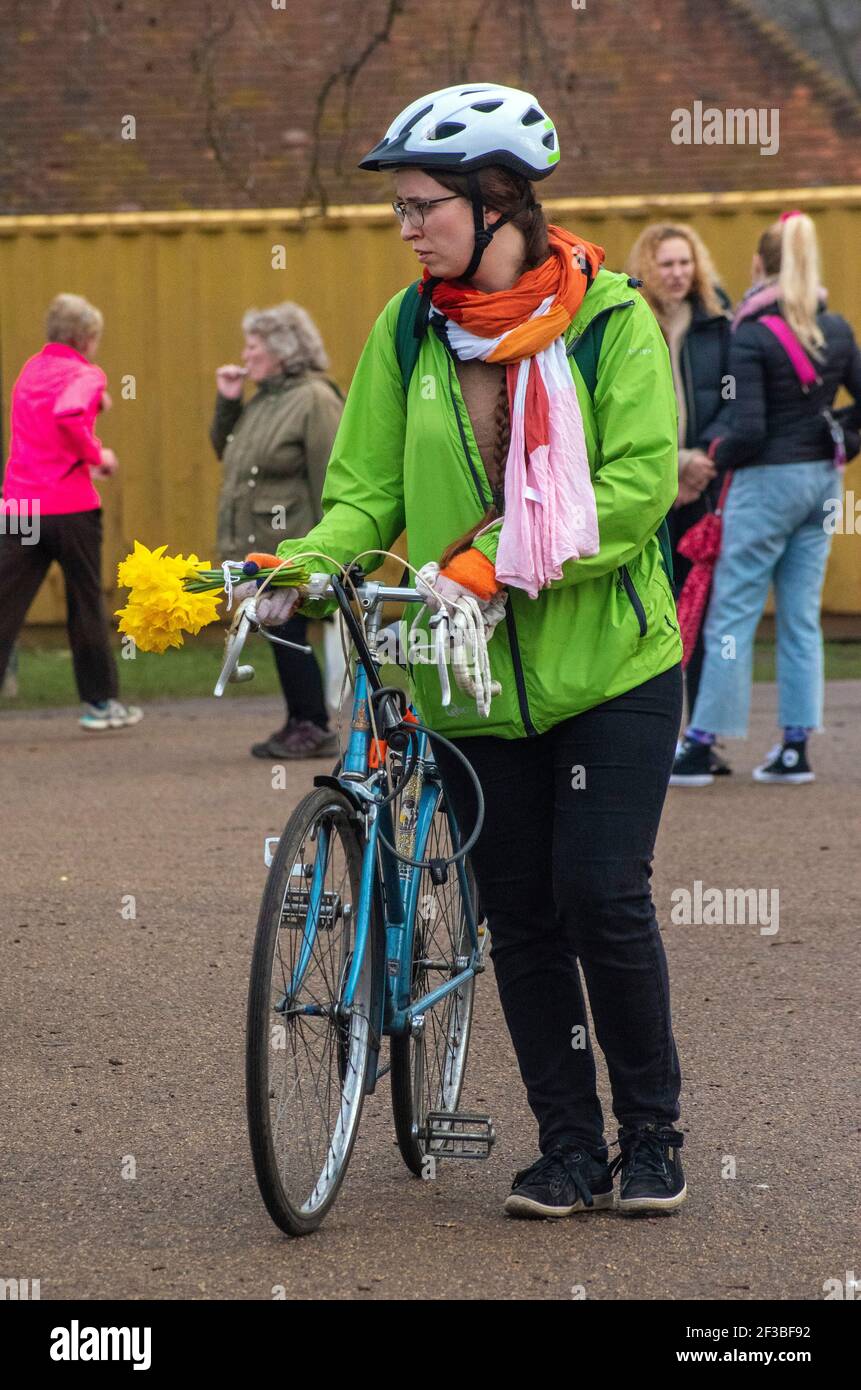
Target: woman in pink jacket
(50, 509)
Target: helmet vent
(486, 105)
(448, 128)
(417, 117)
(549, 140)
(532, 115)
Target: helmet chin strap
(483, 235)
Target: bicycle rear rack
(457, 1134)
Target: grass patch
(842, 661)
(45, 676)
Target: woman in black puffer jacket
(781, 442)
(686, 297)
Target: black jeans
(299, 674)
(74, 540)
(563, 866)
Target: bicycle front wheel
(308, 1052)
(428, 1069)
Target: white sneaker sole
(658, 1204)
(700, 779)
(94, 727)
(775, 778)
(527, 1206)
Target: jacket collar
(272, 384)
(64, 350)
(765, 295)
(700, 314)
(609, 290)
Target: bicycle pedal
(297, 904)
(457, 1134)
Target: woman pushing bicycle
(535, 481)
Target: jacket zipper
(636, 601)
(510, 624)
(691, 430)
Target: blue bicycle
(368, 929)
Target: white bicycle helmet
(464, 128)
(469, 126)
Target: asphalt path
(126, 1170)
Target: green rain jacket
(610, 622)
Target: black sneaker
(692, 766)
(718, 766)
(564, 1181)
(787, 762)
(652, 1177)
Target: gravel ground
(123, 1042)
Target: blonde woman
(685, 294)
(275, 449)
(51, 509)
(782, 449)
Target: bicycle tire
(277, 1142)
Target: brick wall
(241, 104)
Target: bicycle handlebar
(319, 586)
(370, 593)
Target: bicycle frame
(400, 882)
(365, 786)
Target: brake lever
(440, 620)
(233, 644)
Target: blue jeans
(773, 532)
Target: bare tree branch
(315, 191)
(839, 44)
(203, 57)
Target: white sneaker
(110, 714)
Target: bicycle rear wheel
(428, 1069)
(308, 1054)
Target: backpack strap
(406, 343)
(666, 546)
(801, 363)
(587, 350)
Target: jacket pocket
(636, 602)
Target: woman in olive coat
(275, 448)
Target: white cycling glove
(471, 622)
(445, 594)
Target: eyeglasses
(415, 208)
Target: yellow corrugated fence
(173, 288)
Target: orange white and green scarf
(550, 513)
